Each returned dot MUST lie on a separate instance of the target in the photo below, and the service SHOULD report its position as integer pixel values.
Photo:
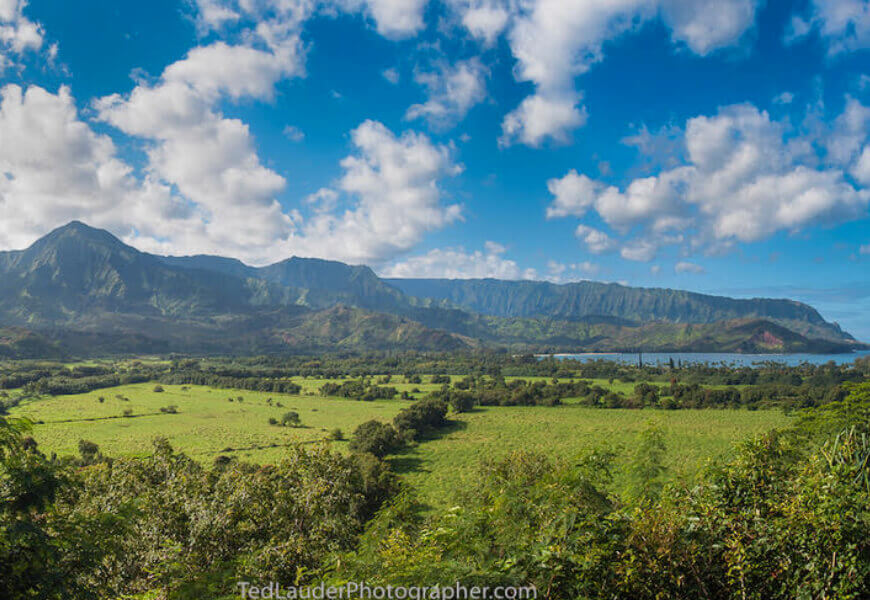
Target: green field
(208, 424)
(440, 466)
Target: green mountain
(80, 290)
(587, 299)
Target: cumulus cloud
(865, 249)
(541, 117)
(394, 19)
(639, 250)
(554, 41)
(457, 263)
(596, 240)
(743, 179)
(204, 190)
(395, 180)
(688, 267)
(453, 90)
(210, 159)
(18, 34)
(844, 25)
(484, 19)
(55, 169)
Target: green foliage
(291, 419)
(646, 469)
(376, 438)
(421, 417)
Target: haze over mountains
(80, 290)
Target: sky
(716, 146)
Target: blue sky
(714, 146)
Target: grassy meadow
(442, 465)
(207, 424)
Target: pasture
(208, 424)
(438, 467)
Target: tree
(291, 419)
(646, 469)
(375, 438)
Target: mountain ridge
(87, 287)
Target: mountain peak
(80, 231)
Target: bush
(421, 416)
(336, 435)
(171, 409)
(291, 419)
(158, 388)
(128, 412)
(273, 421)
(375, 438)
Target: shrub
(291, 419)
(421, 416)
(376, 438)
(158, 388)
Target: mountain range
(81, 291)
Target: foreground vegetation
(531, 485)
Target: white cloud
(708, 26)
(844, 25)
(639, 250)
(484, 19)
(453, 91)
(865, 249)
(210, 159)
(688, 267)
(846, 138)
(596, 240)
(55, 169)
(204, 190)
(18, 34)
(554, 41)
(655, 269)
(541, 117)
(573, 195)
(861, 168)
(293, 133)
(456, 263)
(743, 179)
(391, 75)
(323, 200)
(396, 182)
(563, 273)
(783, 98)
(394, 19)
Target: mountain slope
(586, 298)
(80, 290)
(78, 270)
